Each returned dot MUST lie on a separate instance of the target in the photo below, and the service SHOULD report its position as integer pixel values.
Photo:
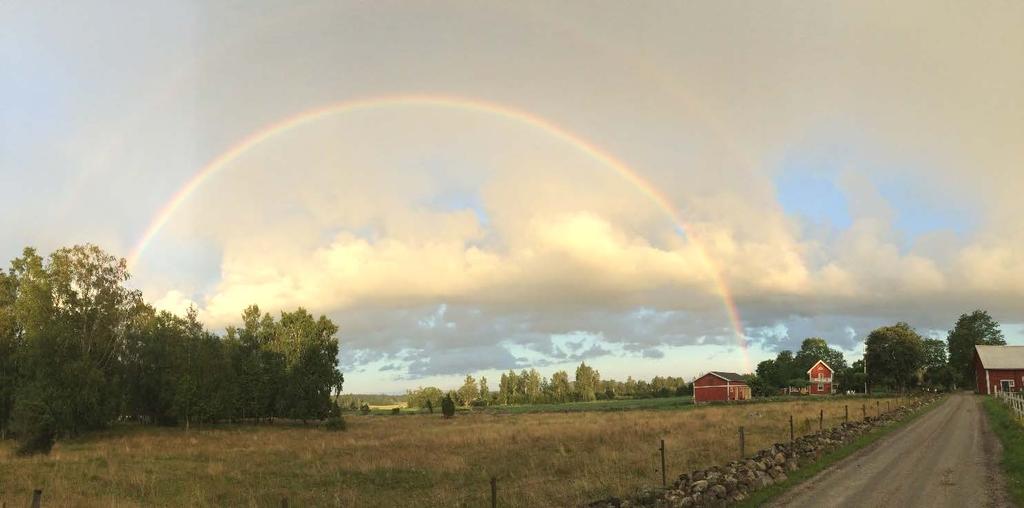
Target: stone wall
(733, 482)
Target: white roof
(1001, 357)
(816, 364)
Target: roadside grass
(807, 472)
(540, 459)
(1011, 434)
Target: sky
(655, 188)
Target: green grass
(684, 402)
(804, 473)
(1011, 434)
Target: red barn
(720, 386)
(998, 368)
(820, 375)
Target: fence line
(1014, 400)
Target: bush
(34, 426)
(448, 406)
(335, 423)
(365, 409)
(396, 410)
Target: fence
(1014, 400)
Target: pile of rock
(733, 482)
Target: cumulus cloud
(445, 240)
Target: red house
(720, 386)
(820, 375)
(998, 368)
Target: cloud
(444, 240)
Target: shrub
(396, 410)
(365, 409)
(448, 406)
(34, 426)
(430, 406)
(335, 423)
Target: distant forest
(79, 350)
(899, 358)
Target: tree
(937, 372)
(768, 373)
(587, 380)
(10, 338)
(507, 387)
(448, 406)
(970, 330)
(560, 389)
(469, 391)
(424, 397)
(533, 382)
(310, 352)
(758, 386)
(485, 393)
(894, 355)
(814, 349)
(72, 315)
(79, 349)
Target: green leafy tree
(587, 380)
(894, 355)
(10, 339)
(768, 373)
(533, 386)
(560, 387)
(448, 406)
(814, 349)
(428, 397)
(469, 390)
(758, 386)
(970, 330)
(485, 392)
(507, 387)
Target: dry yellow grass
(541, 459)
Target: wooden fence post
(494, 492)
(790, 428)
(664, 482)
(846, 413)
(37, 498)
(878, 408)
(821, 419)
(742, 444)
(864, 410)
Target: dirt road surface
(947, 457)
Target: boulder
(718, 491)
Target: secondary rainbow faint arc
(452, 102)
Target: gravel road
(948, 457)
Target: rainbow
(457, 103)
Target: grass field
(1010, 432)
(541, 459)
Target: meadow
(560, 458)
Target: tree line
(530, 387)
(896, 358)
(80, 350)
